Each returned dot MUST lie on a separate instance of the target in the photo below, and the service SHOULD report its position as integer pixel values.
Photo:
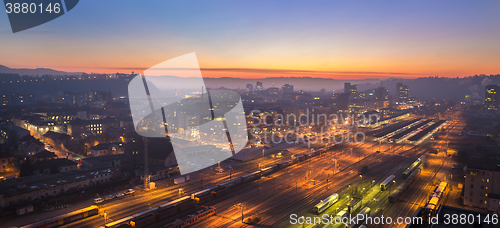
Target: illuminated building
(491, 97)
(259, 86)
(249, 88)
(273, 90)
(402, 92)
(482, 184)
(287, 88)
(350, 89)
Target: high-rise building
(343, 101)
(350, 89)
(259, 86)
(273, 90)
(381, 93)
(402, 92)
(249, 87)
(492, 96)
(287, 88)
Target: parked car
(109, 197)
(119, 195)
(98, 200)
(129, 191)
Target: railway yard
(270, 190)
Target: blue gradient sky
(338, 39)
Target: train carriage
(124, 222)
(326, 203)
(231, 183)
(386, 183)
(166, 212)
(266, 171)
(203, 196)
(284, 164)
(411, 168)
(145, 220)
(359, 219)
(181, 204)
(66, 218)
(176, 224)
(251, 177)
(193, 219)
(219, 192)
(371, 220)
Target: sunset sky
(254, 39)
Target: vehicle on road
(129, 191)
(119, 195)
(98, 200)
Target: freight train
(436, 195)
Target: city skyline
(326, 39)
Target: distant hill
(34, 72)
(424, 87)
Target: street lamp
(241, 205)
(334, 166)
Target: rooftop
(53, 163)
(36, 182)
(5, 155)
(45, 154)
(484, 164)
